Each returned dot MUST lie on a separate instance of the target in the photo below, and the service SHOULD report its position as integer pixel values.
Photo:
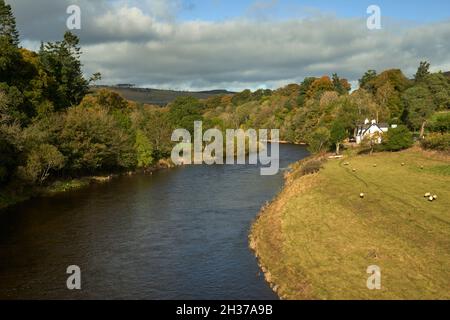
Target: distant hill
(157, 96)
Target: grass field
(317, 239)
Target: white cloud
(145, 46)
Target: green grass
(318, 237)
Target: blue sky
(415, 10)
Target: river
(177, 234)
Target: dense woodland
(52, 126)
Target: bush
(437, 141)
(40, 162)
(92, 141)
(440, 123)
(144, 150)
(311, 167)
(397, 139)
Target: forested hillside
(157, 96)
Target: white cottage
(370, 128)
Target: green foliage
(184, 111)
(341, 86)
(91, 140)
(61, 60)
(437, 141)
(439, 86)
(8, 159)
(144, 150)
(319, 140)
(8, 28)
(418, 105)
(422, 71)
(337, 134)
(397, 139)
(440, 122)
(365, 81)
(40, 162)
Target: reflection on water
(178, 234)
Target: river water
(177, 234)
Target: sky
(240, 44)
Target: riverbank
(318, 237)
(16, 194)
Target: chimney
(374, 121)
(366, 121)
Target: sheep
(430, 197)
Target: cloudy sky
(237, 44)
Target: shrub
(92, 141)
(310, 167)
(144, 150)
(437, 141)
(397, 139)
(40, 162)
(440, 122)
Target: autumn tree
(40, 162)
(319, 86)
(341, 86)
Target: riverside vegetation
(318, 237)
(53, 128)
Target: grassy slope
(159, 97)
(318, 237)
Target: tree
(61, 60)
(303, 91)
(40, 162)
(341, 86)
(8, 28)
(366, 79)
(422, 71)
(91, 140)
(337, 134)
(184, 111)
(439, 86)
(372, 140)
(144, 150)
(418, 107)
(319, 140)
(319, 86)
(397, 139)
